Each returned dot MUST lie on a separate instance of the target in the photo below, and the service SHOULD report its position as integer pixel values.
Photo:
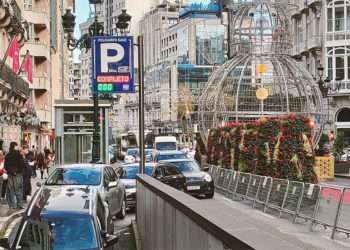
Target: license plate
(193, 188)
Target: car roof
(51, 201)
(177, 160)
(150, 164)
(83, 165)
(168, 152)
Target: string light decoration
(262, 79)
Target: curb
(10, 219)
(344, 176)
(136, 235)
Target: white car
(129, 159)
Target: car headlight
(207, 178)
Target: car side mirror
(206, 169)
(38, 184)
(4, 243)
(110, 240)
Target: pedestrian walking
(41, 164)
(27, 174)
(14, 166)
(3, 176)
(31, 161)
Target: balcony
(37, 48)
(339, 88)
(18, 84)
(44, 116)
(314, 3)
(314, 43)
(41, 83)
(37, 15)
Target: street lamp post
(323, 86)
(95, 29)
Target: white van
(162, 143)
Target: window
(339, 19)
(107, 178)
(338, 60)
(33, 235)
(114, 177)
(75, 176)
(170, 170)
(158, 172)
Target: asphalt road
(123, 228)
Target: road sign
(113, 64)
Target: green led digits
(105, 87)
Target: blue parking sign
(112, 64)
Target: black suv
(64, 217)
(169, 175)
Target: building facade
(320, 40)
(189, 48)
(15, 110)
(75, 90)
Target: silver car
(101, 176)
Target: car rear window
(60, 233)
(75, 176)
(131, 172)
(162, 157)
(73, 234)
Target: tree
(338, 146)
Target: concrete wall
(164, 227)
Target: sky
(82, 11)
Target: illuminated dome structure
(261, 79)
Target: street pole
(96, 135)
(141, 104)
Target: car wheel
(209, 196)
(121, 214)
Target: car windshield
(133, 152)
(162, 157)
(73, 233)
(187, 166)
(166, 145)
(75, 176)
(131, 172)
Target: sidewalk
(7, 216)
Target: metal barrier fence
(320, 204)
(293, 198)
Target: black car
(198, 182)
(64, 217)
(170, 175)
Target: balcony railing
(41, 82)
(44, 116)
(18, 84)
(339, 88)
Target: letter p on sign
(106, 59)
